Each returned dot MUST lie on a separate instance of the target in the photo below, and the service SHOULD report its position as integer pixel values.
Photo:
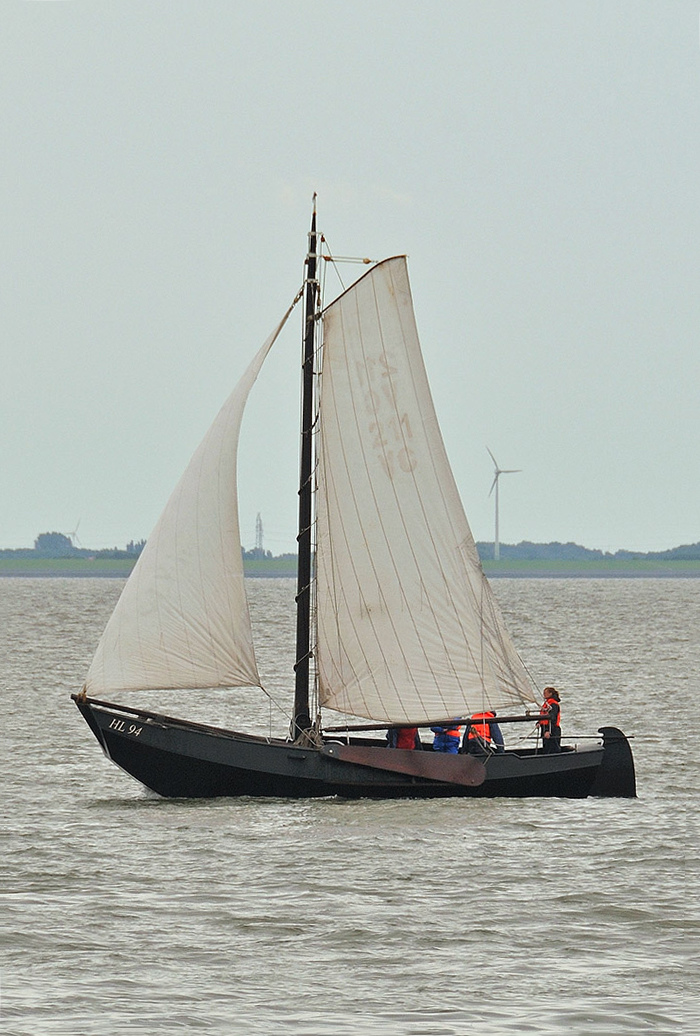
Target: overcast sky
(537, 161)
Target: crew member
(483, 736)
(550, 721)
(446, 739)
(403, 737)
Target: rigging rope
(273, 701)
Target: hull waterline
(180, 759)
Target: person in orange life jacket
(550, 721)
(446, 739)
(403, 737)
(483, 735)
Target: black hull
(180, 759)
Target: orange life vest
(453, 732)
(545, 719)
(483, 729)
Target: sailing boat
(397, 625)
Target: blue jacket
(445, 742)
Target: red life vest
(406, 737)
(545, 718)
(452, 732)
(483, 729)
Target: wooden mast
(302, 720)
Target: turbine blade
(493, 484)
(492, 457)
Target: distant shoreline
(614, 569)
(273, 568)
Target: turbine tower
(259, 535)
(494, 485)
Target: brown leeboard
(433, 766)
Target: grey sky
(537, 161)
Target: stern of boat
(616, 777)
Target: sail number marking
(121, 727)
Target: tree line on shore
(58, 545)
(526, 551)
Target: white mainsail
(182, 620)
(408, 628)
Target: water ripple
(128, 914)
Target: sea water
(128, 914)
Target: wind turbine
(73, 536)
(494, 485)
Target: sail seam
(398, 640)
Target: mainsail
(182, 619)
(408, 628)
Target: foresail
(408, 627)
(182, 619)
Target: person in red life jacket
(403, 737)
(483, 736)
(550, 721)
(446, 739)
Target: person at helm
(550, 721)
